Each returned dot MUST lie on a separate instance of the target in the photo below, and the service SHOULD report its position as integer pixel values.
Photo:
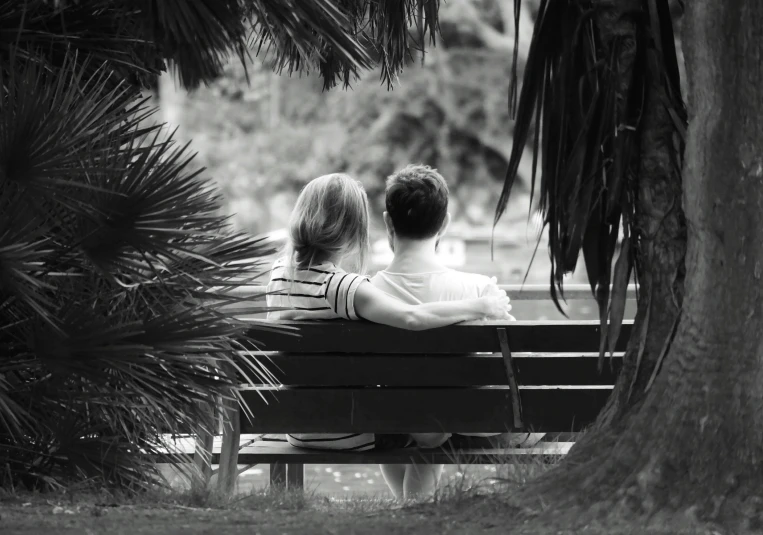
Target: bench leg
(295, 476)
(277, 476)
(202, 457)
(228, 471)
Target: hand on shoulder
(498, 305)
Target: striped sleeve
(340, 293)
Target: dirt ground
(474, 515)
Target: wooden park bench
(480, 377)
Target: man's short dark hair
(417, 201)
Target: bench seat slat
(263, 451)
(364, 337)
(320, 369)
(404, 410)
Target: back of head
(329, 221)
(417, 201)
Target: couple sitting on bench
(321, 277)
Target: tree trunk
(171, 99)
(695, 444)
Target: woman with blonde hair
(329, 228)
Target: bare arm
(375, 305)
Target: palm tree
(609, 120)
(620, 172)
(116, 270)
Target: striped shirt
(319, 292)
(322, 291)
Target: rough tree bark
(695, 444)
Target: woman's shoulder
(333, 269)
(282, 268)
(337, 277)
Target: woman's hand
(497, 305)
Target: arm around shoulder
(375, 305)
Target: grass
(462, 504)
(96, 511)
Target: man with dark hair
(416, 199)
(416, 218)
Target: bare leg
(394, 475)
(421, 480)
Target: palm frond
(102, 31)
(197, 36)
(47, 125)
(580, 109)
(302, 35)
(391, 28)
(341, 38)
(116, 274)
(336, 38)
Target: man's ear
(388, 223)
(445, 225)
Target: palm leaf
(116, 271)
(197, 36)
(138, 39)
(103, 31)
(583, 92)
(310, 34)
(47, 125)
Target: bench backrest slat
(348, 377)
(364, 337)
(431, 410)
(322, 369)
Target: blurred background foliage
(263, 141)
